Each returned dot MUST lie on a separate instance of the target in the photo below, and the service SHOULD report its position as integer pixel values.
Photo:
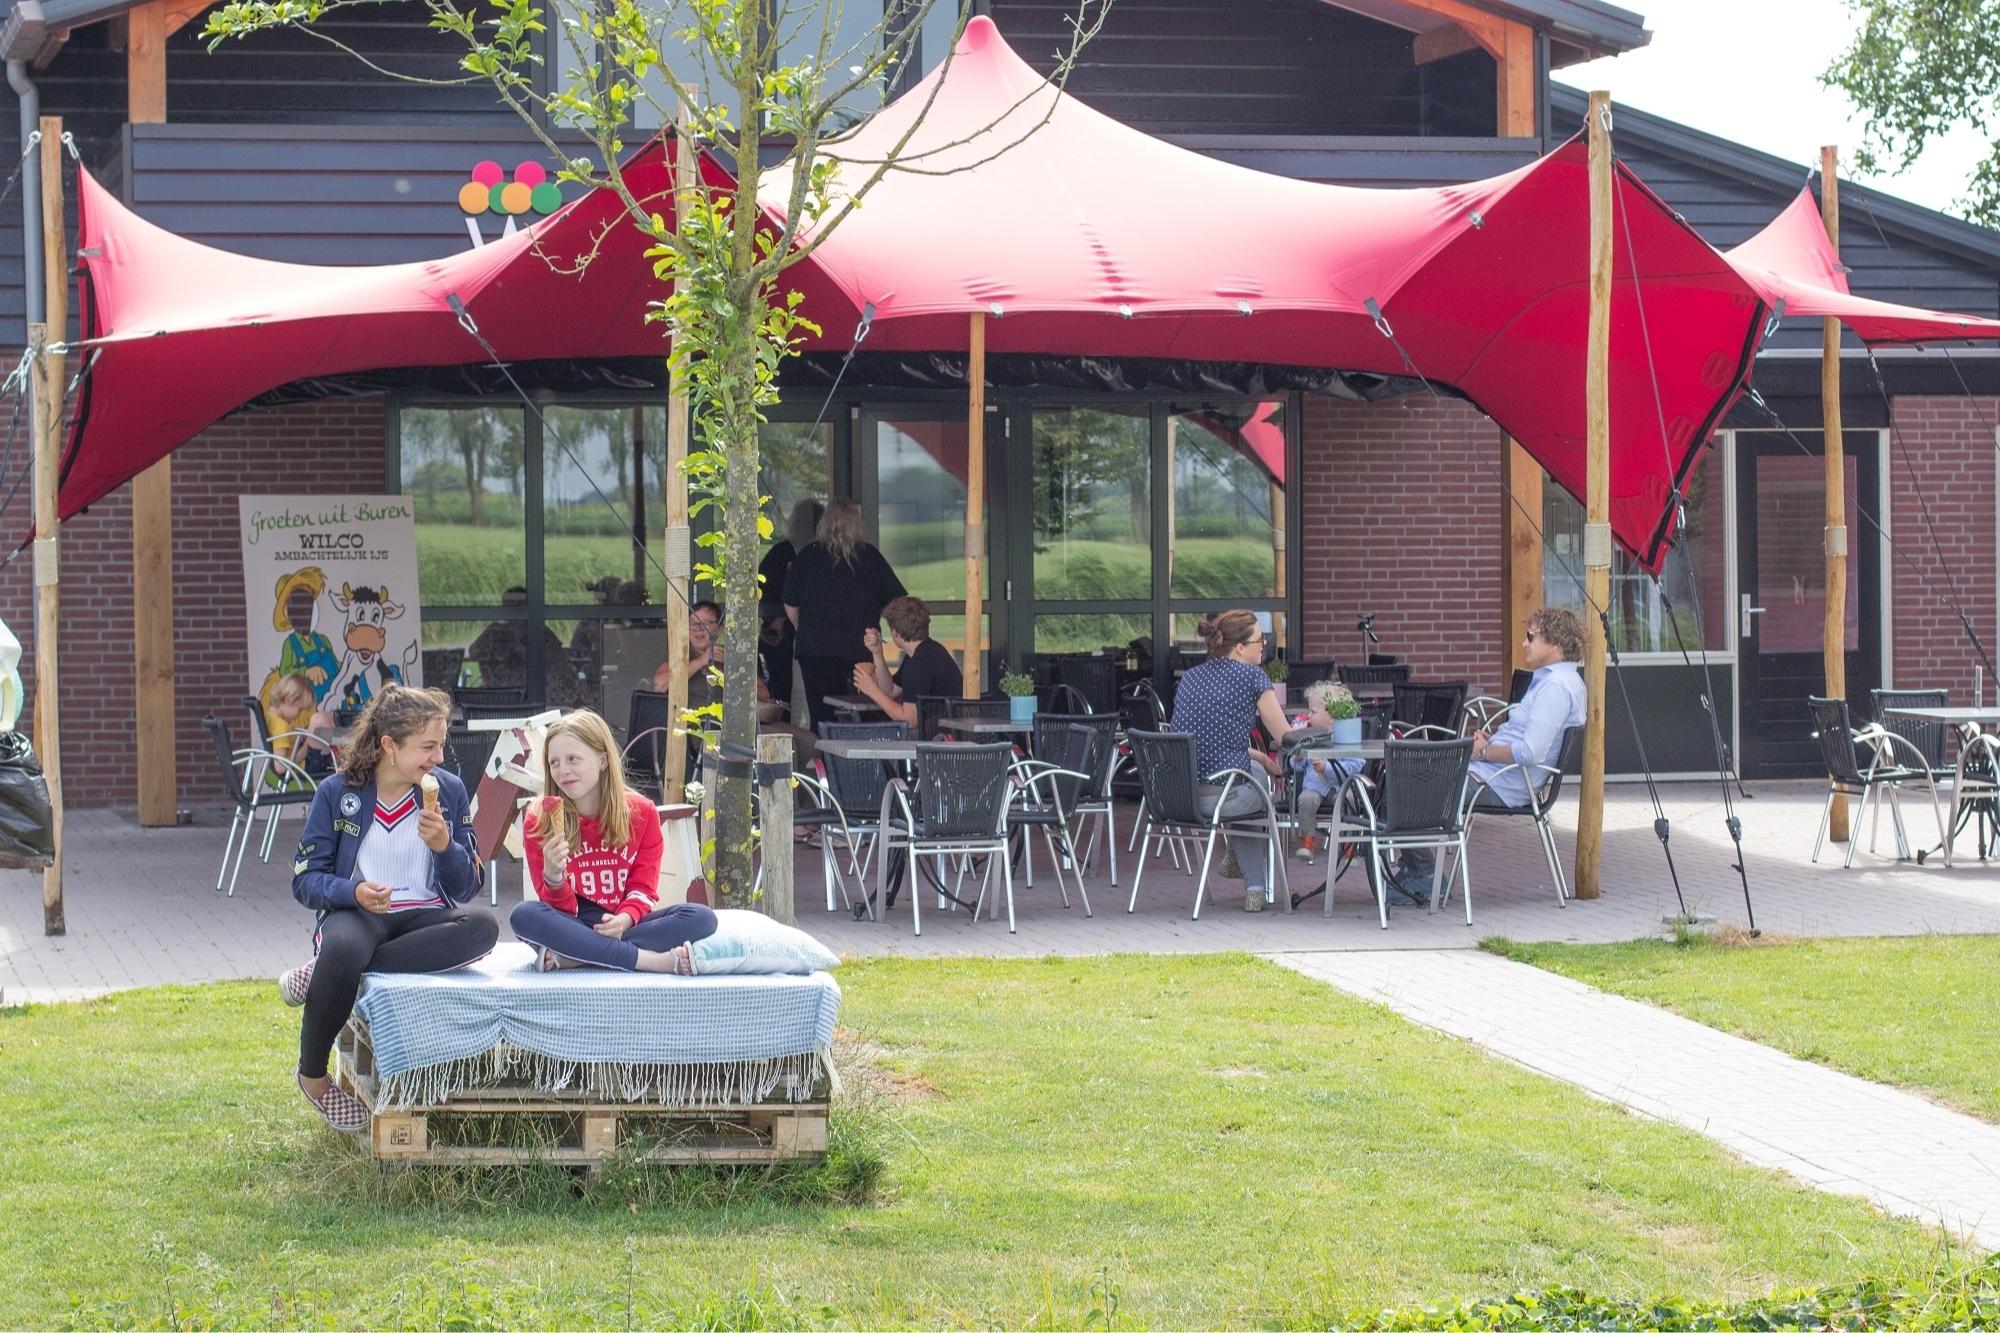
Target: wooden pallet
(576, 1129)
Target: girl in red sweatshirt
(593, 852)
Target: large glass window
(1093, 505)
(603, 506)
(1645, 614)
(1228, 532)
(463, 466)
(920, 470)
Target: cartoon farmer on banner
(306, 651)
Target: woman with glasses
(1218, 702)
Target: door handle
(1749, 611)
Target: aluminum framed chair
(1976, 794)
(1092, 678)
(827, 816)
(442, 667)
(1482, 712)
(982, 710)
(1423, 801)
(1051, 785)
(1375, 674)
(1093, 801)
(243, 777)
(490, 696)
(1931, 739)
(1545, 783)
(856, 788)
(260, 729)
(1433, 705)
(1173, 814)
(955, 804)
(1892, 764)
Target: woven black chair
(988, 709)
(1301, 674)
(244, 774)
(311, 752)
(954, 805)
(1093, 679)
(442, 667)
(931, 715)
(1545, 783)
(1850, 774)
(1431, 711)
(1517, 685)
(1422, 804)
(855, 788)
(645, 752)
(1931, 740)
(470, 697)
(1094, 801)
(1052, 786)
(1173, 815)
(1352, 674)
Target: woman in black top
(777, 633)
(836, 589)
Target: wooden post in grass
(975, 501)
(48, 450)
(1835, 642)
(1597, 502)
(774, 798)
(678, 548)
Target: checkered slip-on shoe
(292, 984)
(339, 1108)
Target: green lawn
(1918, 1011)
(1186, 1142)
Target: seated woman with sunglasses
(1218, 702)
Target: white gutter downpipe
(31, 195)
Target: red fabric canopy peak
(1793, 261)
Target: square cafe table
(852, 705)
(888, 751)
(987, 728)
(1974, 804)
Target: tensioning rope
(1676, 516)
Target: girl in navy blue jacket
(386, 860)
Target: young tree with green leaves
(1920, 68)
(724, 302)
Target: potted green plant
(1019, 687)
(1346, 715)
(1277, 670)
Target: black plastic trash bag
(27, 826)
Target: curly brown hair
(1552, 624)
(398, 712)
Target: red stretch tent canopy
(1793, 261)
(1086, 237)
(180, 334)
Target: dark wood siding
(1253, 67)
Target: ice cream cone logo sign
(489, 191)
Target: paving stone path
(1840, 1133)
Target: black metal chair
(1545, 783)
(1301, 674)
(1931, 740)
(1173, 814)
(1518, 683)
(1423, 804)
(1094, 800)
(1093, 679)
(1052, 785)
(243, 777)
(1428, 711)
(931, 715)
(317, 759)
(990, 708)
(442, 668)
(854, 787)
(647, 728)
(961, 797)
(1848, 774)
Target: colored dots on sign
(488, 173)
(495, 198)
(472, 197)
(530, 174)
(514, 198)
(546, 198)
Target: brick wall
(1401, 515)
(319, 447)
(1950, 444)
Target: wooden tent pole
(975, 502)
(1597, 502)
(678, 548)
(48, 450)
(1835, 639)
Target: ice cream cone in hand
(429, 784)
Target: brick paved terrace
(143, 910)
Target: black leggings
(824, 676)
(353, 941)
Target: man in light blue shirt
(1533, 730)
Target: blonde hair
(841, 531)
(398, 712)
(557, 814)
(1321, 694)
(295, 686)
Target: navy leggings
(544, 927)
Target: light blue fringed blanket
(632, 1037)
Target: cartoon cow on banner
(363, 668)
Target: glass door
(1781, 606)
